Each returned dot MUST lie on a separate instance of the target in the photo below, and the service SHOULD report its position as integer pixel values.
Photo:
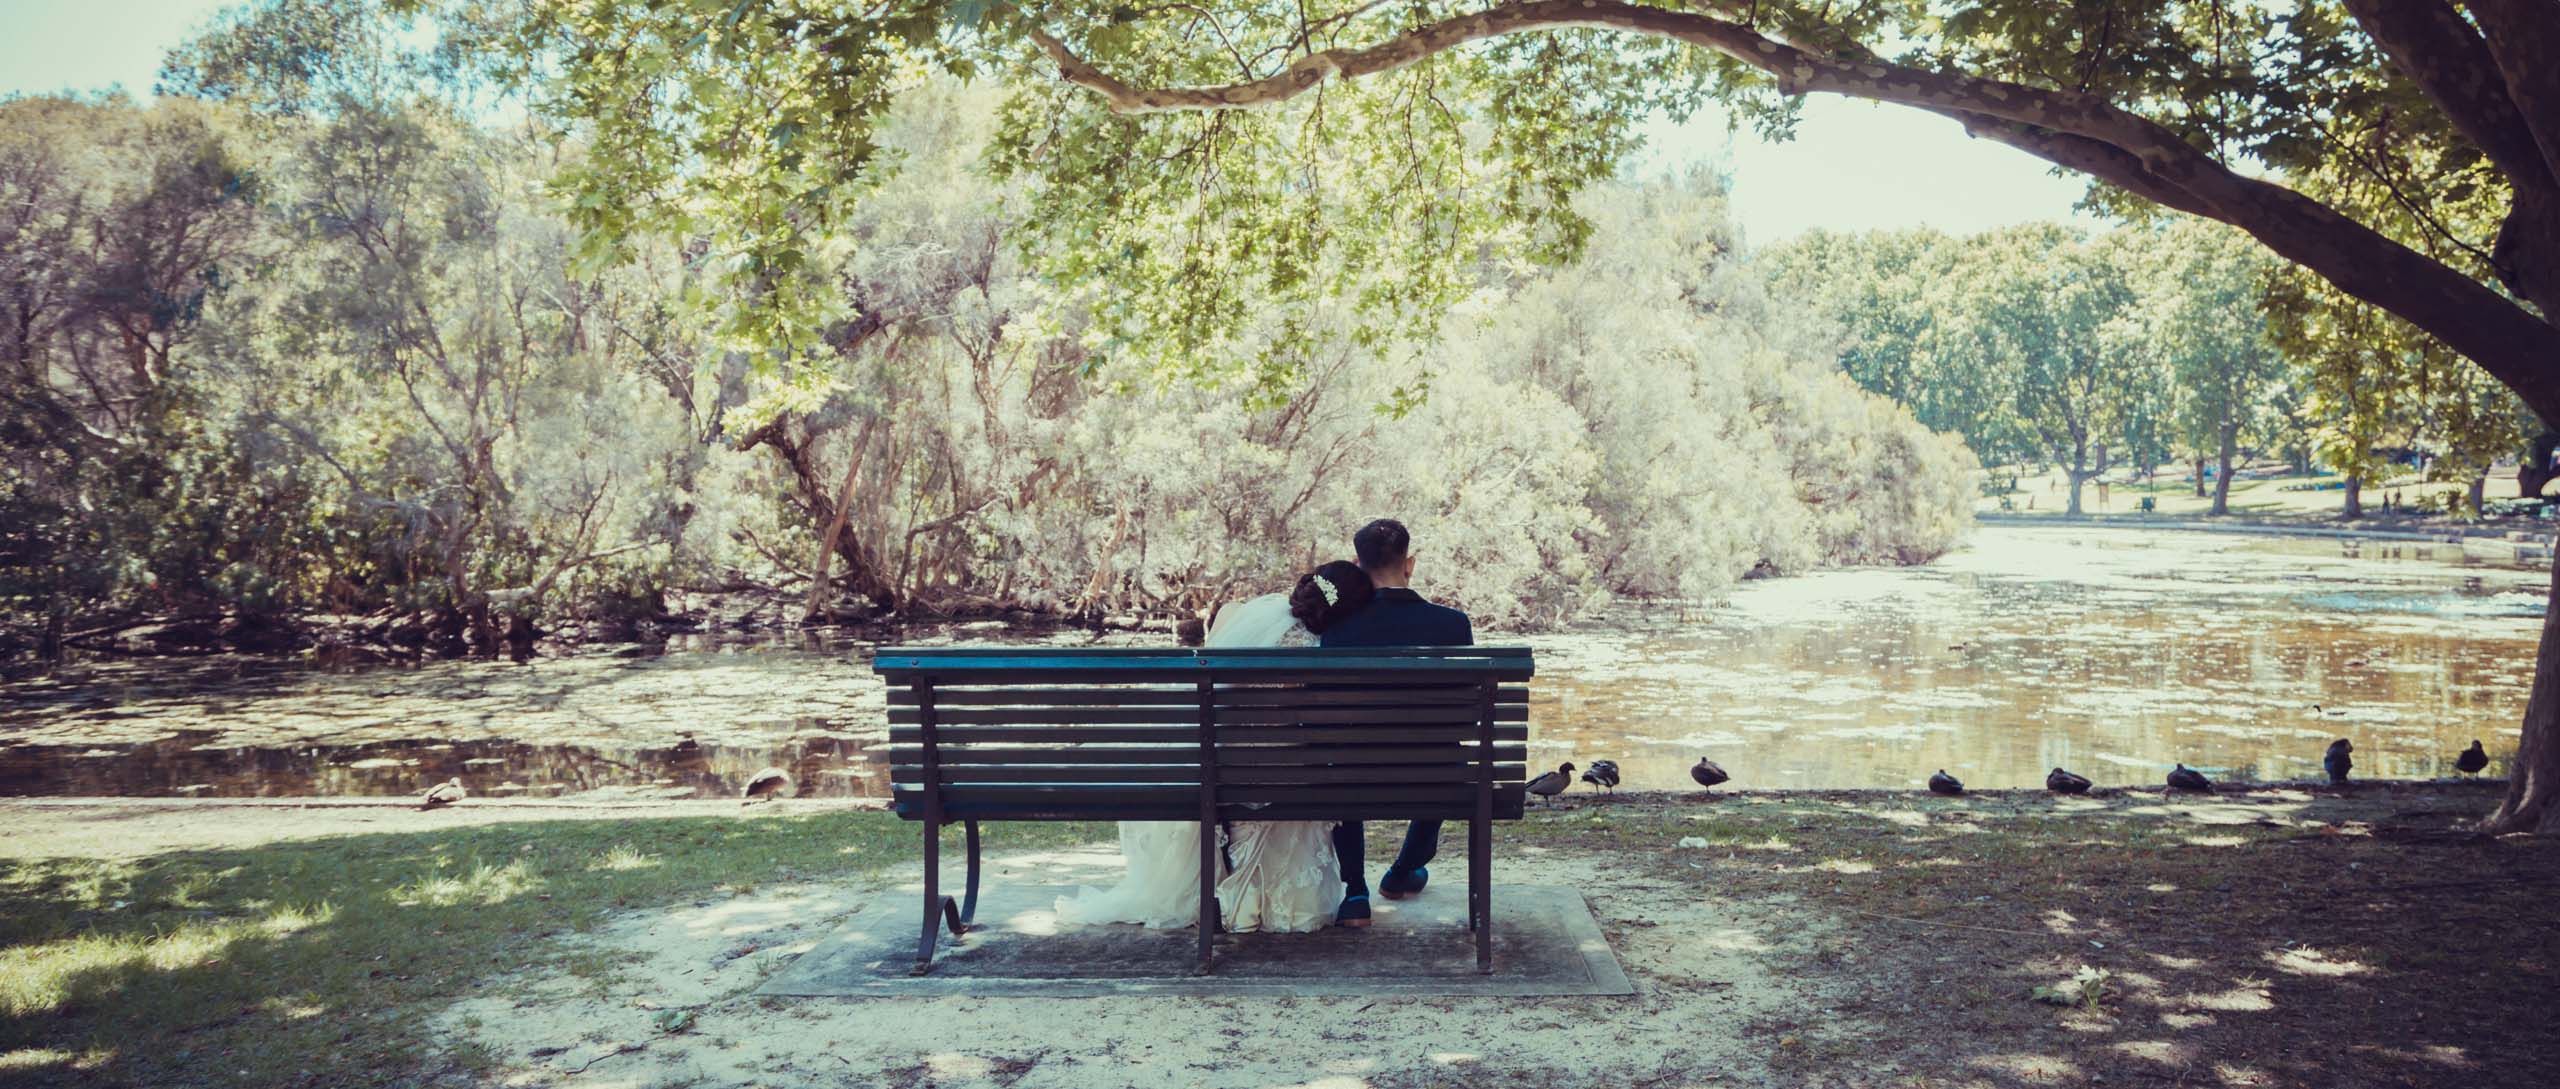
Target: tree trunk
(2479, 493)
(2536, 469)
(2222, 477)
(2533, 780)
(2078, 476)
(2355, 495)
(2199, 478)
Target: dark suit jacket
(1398, 617)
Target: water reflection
(2112, 652)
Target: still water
(2113, 652)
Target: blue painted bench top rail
(1112, 734)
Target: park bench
(1048, 734)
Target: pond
(2113, 652)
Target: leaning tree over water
(1469, 126)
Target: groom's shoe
(1354, 911)
(1399, 884)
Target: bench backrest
(1038, 733)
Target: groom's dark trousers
(1397, 617)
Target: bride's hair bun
(1327, 594)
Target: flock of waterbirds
(772, 783)
(1707, 773)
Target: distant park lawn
(2280, 938)
(2278, 496)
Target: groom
(1396, 617)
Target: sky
(1852, 165)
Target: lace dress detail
(1284, 877)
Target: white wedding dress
(1284, 876)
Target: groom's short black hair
(1381, 544)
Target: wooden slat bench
(1046, 734)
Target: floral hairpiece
(1325, 586)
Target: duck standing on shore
(1943, 783)
(1552, 783)
(1707, 773)
(1602, 774)
(2338, 762)
(442, 794)
(767, 785)
(2473, 760)
(2183, 777)
(2063, 782)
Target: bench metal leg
(940, 910)
(1210, 914)
(969, 900)
(1480, 890)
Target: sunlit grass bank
(316, 963)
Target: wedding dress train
(1282, 875)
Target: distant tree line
(2154, 344)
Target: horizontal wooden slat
(1006, 716)
(1296, 695)
(1069, 773)
(1186, 754)
(1105, 795)
(1504, 809)
(1053, 696)
(962, 651)
(1283, 755)
(1048, 735)
(1440, 713)
(1391, 773)
(1380, 734)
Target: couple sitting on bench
(1290, 875)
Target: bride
(1282, 875)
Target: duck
(2338, 762)
(2472, 760)
(1552, 783)
(1943, 783)
(2186, 778)
(1602, 773)
(442, 794)
(2063, 782)
(767, 785)
(1707, 774)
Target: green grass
(317, 963)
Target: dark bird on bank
(1552, 783)
(767, 785)
(1707, 773)
(2338, 762)
(2472, 760)
(1602, 774)
(1943, 783)
(2183, 777)
(2063, 782)
(442, 794)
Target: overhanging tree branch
(2079, 131)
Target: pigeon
(2472, 760)
(1602, 773)
(2338, 762)
(1552, 783)
(767, 785)
(2187, 778)
(1707, 773)
(442, 794)
(2063, 782)
(1943, 783)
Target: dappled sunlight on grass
(310, 962)
(2304, 961)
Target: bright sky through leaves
(1853, 165)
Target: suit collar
(1398, 594)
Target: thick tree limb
(2079, 131)
(2431, 44)
(2523, 36)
